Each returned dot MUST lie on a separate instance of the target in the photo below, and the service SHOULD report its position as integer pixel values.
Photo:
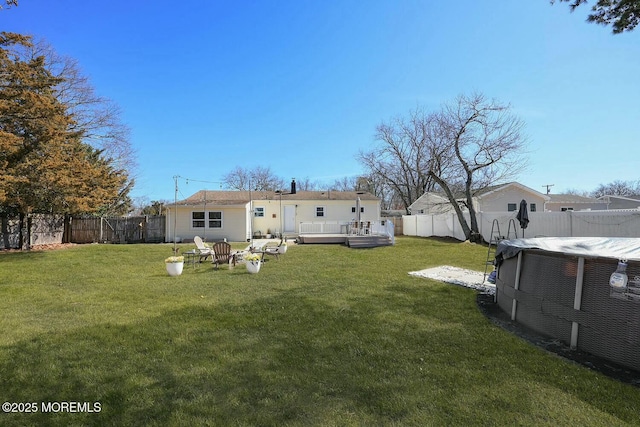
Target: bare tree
(238, 179)
(401, 159)
(258, 179)
(618, 188)
(577, 192)
(378, 187)
(466, 146)
(475, 142)
(345, 184)
(263, 179)
(98, 117)
(305, 184)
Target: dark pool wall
(606, 326)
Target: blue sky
(300, 86)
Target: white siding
(337, 210)
(239, 224)
(498, 201)
(233, 224)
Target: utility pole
(175, 213)
(548, 187)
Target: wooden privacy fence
(49, 229)
(136, 229)
(45, 229)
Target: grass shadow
(247, 364)
(281, 360)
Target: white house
(496, 198)
(621, 202)
(573, 202)
(239, 215)
(430, 203)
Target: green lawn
(327, 335)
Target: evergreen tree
(44, 165)
(622, 15)
(9, 3)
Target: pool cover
(588, 247)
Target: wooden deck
(322, 238)
(368, 241)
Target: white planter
(174, 268)
(253, 266)
(282, 249)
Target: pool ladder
(495, 238)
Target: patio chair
(204, 250)
(222, 254)
(273, 250)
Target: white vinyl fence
(613, 223)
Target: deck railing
(378, 228)
(324, 227)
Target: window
(258, 212)
(319, 210)
(532, 207)
(566, 209)
(197, 219)
(215, 219)
(353, 209)
(511, 207)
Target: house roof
(430, 195)
(633, 198)
(480, 193)
(235, 197)
(485, 191)
(493, 188)
(572, 198)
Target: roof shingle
(235, 197)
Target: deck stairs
(370, 241)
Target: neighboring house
(239, 215)
(430, 203)
(620, 202)
(507, 198)
(572, 202)
(496, 198)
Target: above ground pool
(563, 288)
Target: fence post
(570, 223)
(66, 229)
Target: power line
(204, 182)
